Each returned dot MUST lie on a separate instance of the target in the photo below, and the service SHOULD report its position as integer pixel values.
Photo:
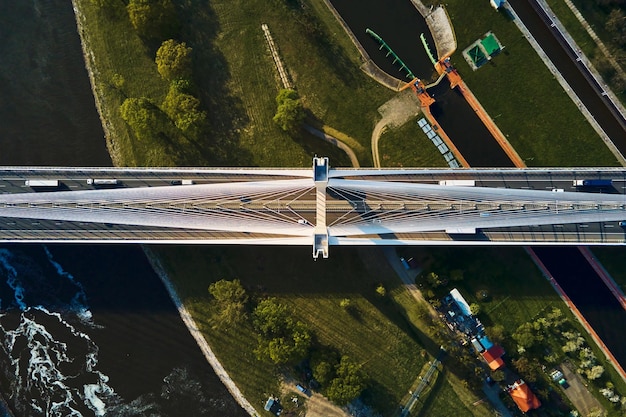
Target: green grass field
(408, 146)
(537, 116)
(374, 334)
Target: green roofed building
(477, 56)
(491, 44)
(482, 50)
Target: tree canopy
(525, 335)
(173, 60)
(282, 339)
(185, 111)
(348, 383)
(153, 19)
(230, 301)
(290, 113)
(141, 115)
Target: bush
(173, 60)
(290, 112)
(153, 19)
(380, 290)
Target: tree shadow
(225, 112)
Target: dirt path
(395, 113)
(316, 405)
(336, 142)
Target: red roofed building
(493, 357)
(523, 396)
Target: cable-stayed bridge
(319, 206)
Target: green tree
(286, 94)
(184, 110)
(281, 339)
(323, 372)
(142, 116)
(348, 383)
(381, 290)
(495, 333)
(173, 60)
(290, 112)
(526, 335)
(527, 368)
(595, 372)
(153, 19)
(498, 375)
(270, 317)
(474, 309)
(324, 361)
(230, 301)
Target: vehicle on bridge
(42, 183)
(592, 183)
(105, 181)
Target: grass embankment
(408, 146)
(237, 82)
(597, 17)
(534, 112)
(374, 332)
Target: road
(271, 206)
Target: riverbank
(197, 335)
(90, 66)
(116, 157)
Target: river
(84, 330)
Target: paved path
(336, 142)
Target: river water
(84, 330)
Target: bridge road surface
(372, 207)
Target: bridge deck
(340, 207)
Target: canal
(567, 265)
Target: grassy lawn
(239, 94)
(517, 290)
(537, 116)
(408, 146)
(374, 334)
(441, 402)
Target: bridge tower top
(320, 177)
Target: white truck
(104, 181)
(42, 183)
(458, 183)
